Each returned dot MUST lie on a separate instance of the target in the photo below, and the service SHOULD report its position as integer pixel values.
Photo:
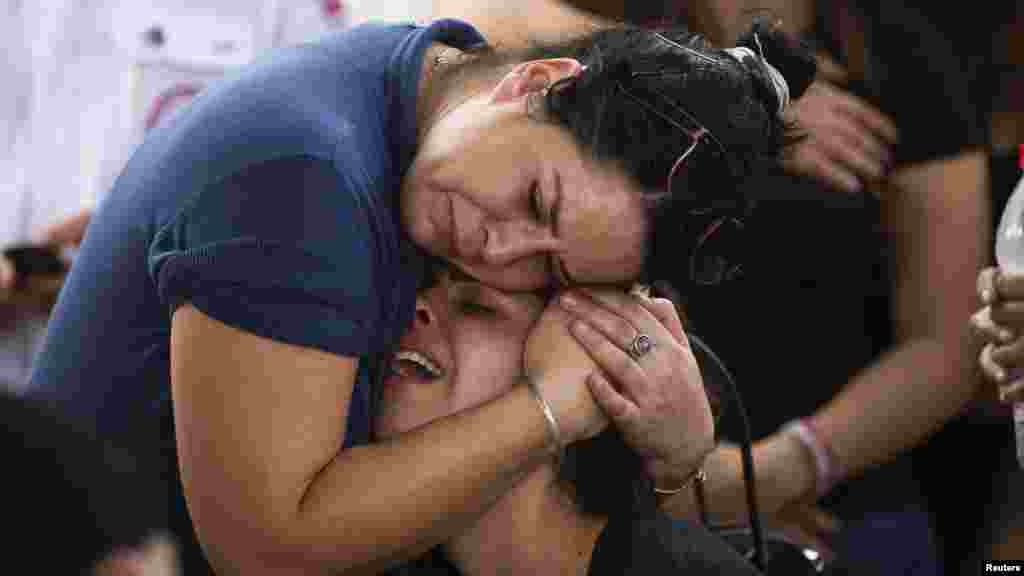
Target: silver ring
(642, 344)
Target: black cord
(745, 451)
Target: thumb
(68, 231)
(8, 276)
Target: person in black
(849, 315)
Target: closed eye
(537, 202)
(475, 308)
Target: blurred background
(83, 80)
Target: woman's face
(464, 347)
(512, 201)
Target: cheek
(615, 252)
(413, 204)
(407, 406)
(489, 365)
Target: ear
(533, 76)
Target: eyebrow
(459, 276)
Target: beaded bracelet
(828, 469)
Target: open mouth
(411, 363)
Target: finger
(1010, 356)
(987, 285)
(69, 231)
(1007, 314)
(841, 148)
(808, 159)
(867, 115)
(665, 312)
(613, 326)
(611, 359)
(8, 276)
(628, 307)
(1012, 393)
(873, 148)
(992, 371)
(625, 305)
(1008, 286)
(619, 408)
(983, 327)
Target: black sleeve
(654, 544)
(931, 76)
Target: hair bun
(791, 57)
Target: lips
(415, 365)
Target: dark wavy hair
(733, 98)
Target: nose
(512, 240)
(425, 316)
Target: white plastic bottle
(1010, 257)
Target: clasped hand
(581, 356)
(999, 323)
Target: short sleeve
(282, 249)
(932, 83)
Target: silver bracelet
(554, 432)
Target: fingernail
(1000, 375)
(569, 301)
(987, 296)
(1010, 390)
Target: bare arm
(259, 430)
(937, 217)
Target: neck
(444, 85)
(533, 529)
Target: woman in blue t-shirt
(250, 268)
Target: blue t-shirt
(271, 205)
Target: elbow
(292, 544)
(248, 539)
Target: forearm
(895, 404)
(887, 409)
(376, 505)
(936, 214)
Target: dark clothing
(928, 68)
(271, 205)
(641, 543)
(70, 499)
(813, 309)
(655, 544)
